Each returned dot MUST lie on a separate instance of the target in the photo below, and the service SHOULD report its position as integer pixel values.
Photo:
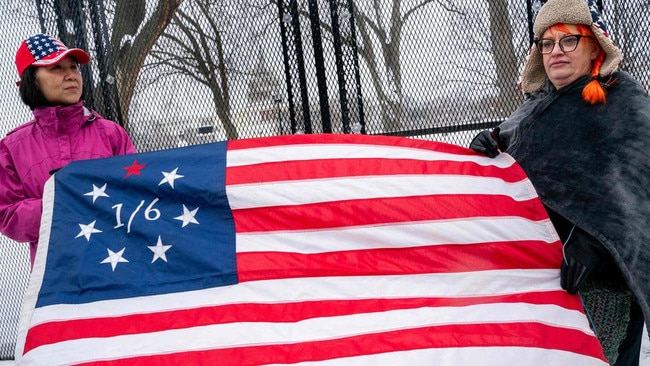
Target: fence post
(80, 41)
(532, 7)
(321, 78)
(110, 95)
(294, 20)
(340, 70)
(287, 67)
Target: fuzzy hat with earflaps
(533, 76)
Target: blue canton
(142, 224)
(42, 45)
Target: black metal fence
(179, 72)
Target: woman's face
(61, 84)
(563, 68)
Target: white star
(97, 192)
(159, 250)
(188, 216)
(88, 230)
(115, 258)
(170, 177)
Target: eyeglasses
(567, 43)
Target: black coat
(591, 164)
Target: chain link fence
(184, 72)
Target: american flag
(307, 249)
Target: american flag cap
(43, 50)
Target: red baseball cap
(45, 50)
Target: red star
(134, 169)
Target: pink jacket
(31, 153)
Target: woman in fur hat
(582, 137)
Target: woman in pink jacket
(63, 130)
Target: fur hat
(45, 50)
(533, 76)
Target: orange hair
(593, 92)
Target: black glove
(486, 142)
(583, 254)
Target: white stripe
(461, 231)
(350, 188)
(239, 334)
(470, 356)
(352, 151)
(483, 283)
(38, 269)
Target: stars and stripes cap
(43, 50)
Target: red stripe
(321, 139)
(313, 169)
(430, 259)
(54, 332)
(372, 211)
(529, 335)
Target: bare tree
(503, 54)
(194, 46)
(134, 27)
(133, 35)
(490, 46)
(381, 26)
